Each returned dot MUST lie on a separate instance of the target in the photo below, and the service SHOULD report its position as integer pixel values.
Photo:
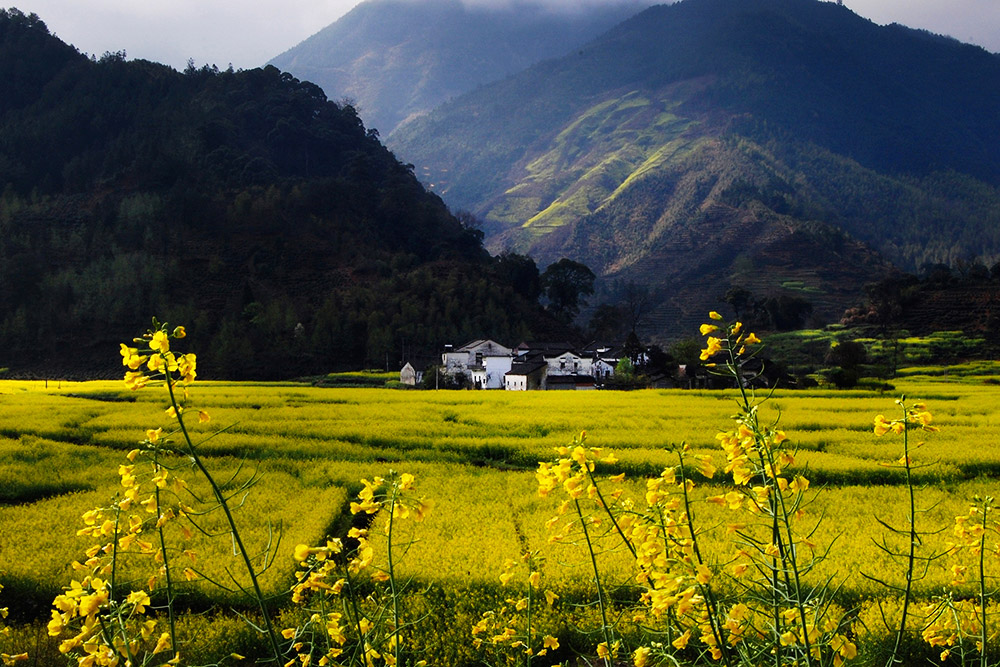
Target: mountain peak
(398, 59)
(703, 140)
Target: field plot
(474, 454)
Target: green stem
(982, 587)
(713, 611)
(793, 565)
(527, 652)
(220, 497)
(597, 580)
(911, 554)
(354, 605)
(607, 510)
(166, 566)
(114, 557)
(392, 581)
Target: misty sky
(247, 33)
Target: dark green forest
(243, 204)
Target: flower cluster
(108, 628)
(392, 494)
(152, 359)
(573, 472)
(953, 625)
(971, 530)
(676, 582)
(513, 628)
(755, 452)
(107, 631)
(819, 636)
(7, 659)
(730, 339)
(319, 574)
(348, 620)
(914, 416)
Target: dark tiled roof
(570, 379)
(546, 347)
(525, 368)
(491, 345)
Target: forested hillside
(242, 204)
(397, 59)
(711, 143)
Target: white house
(602, 368)
(529, 366)
(526, 376)
(567, 363)
(484, 361)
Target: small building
(567, 362)
(526, 376)
(483, 361)
(407, 375)
(602, 369)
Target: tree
(565, 283)
(625, 370)
(787, 313)
(885, 302)
(740, 299)
(633, 349)
(635, 303)
(848, 357)
(520, 272)
(606, 324)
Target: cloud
(248, 33)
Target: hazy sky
(247, 33)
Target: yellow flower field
(474, 454)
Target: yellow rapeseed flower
(139, 600)
(705, 466)
(159, 342)
(713, 347)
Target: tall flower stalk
(355, 605)
(784, 621)
(916, 564)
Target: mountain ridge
(797, 113)
(398, 59)
(244, 205)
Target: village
(486, 364)
(543, 366)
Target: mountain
(788, 146)
(242, 204)
(396, 59)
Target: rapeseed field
(860, 536)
